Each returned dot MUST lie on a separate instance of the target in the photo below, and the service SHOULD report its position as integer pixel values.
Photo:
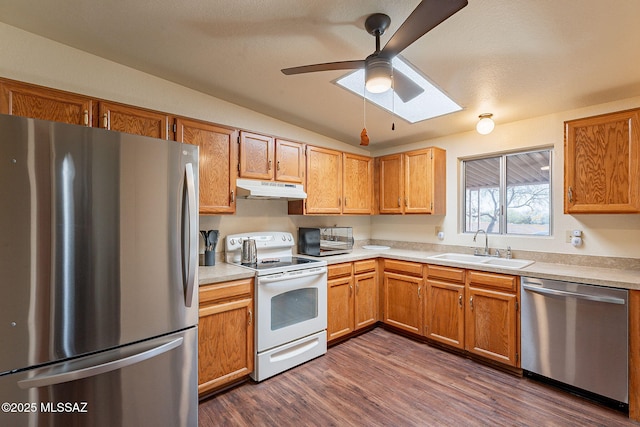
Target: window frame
(502, 189)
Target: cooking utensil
(210, 242)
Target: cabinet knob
(85, 117)
(269, 164)
(278, 165)
(460, 300)
(105, 121)
(570, 195)
(471, 303)
(250, 314)
(233, 197)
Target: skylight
(430, 103)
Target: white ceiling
(513, 58)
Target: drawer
(411, 268)
(339, 270)
(449, 274)
(225, 291)
(364, 266)
(492, 280)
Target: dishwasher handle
(557, 292)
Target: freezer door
(152, 383)
(98, 240)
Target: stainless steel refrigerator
(98, 277)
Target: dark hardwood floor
(383, 379)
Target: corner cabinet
(352, 298)
(602, 164)
(413, 182)
(218, 163)
(225, 334)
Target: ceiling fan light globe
(377, 74)
(378, 84)
(485, 125)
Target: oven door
(290, 306)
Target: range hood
(255, 189)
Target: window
(508, 194)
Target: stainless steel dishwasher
(576, 334)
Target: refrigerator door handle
(52, 376)
(190, 244)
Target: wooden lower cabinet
(402, 283)
(474, 311)
(225, 334)
(352, 297)
(444, 318)
(492, 317)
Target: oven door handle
(291, 275)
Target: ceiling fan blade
(328, 66)
(404, 87)
(426, 16)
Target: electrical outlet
(568, 237)
(438, 229)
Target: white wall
(604, 235)
(30, 58)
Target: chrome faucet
(486, 242)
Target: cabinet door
(20, 99)
(218, 160)
(418, 197)
(123, 118)
(357, 184)
(366, 299)
(491, 325)
(256, 156)
(391, 184)
(324, 181)
(289, 161)
(602, 164)
(225, 343)
(403, 302)
(339, 307)
(445, 312)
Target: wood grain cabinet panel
(289, 161)
(365, 311)
(403, 301)
(602, 164)
(225, 334)
(137, 121)
(357, 189)
(444, 319)
(21, 99)
(256, 156)
(324, 181)
(218, 161)
(413, 182)
(340, 307)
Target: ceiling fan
(377, 66)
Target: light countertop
(612, 277)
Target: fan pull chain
(393, 100)
(364, 138)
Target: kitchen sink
(483, 260)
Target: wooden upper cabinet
(391, 184)
(20, 99)
(602, 164)
(413, 182)
(289, 161)
(324, 181)
(357, 184)
(138, 121)
(218, 161)
(256, 156)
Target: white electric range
(290, 302)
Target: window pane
(482, 195)
(528, 193)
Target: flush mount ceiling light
(485, 124)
